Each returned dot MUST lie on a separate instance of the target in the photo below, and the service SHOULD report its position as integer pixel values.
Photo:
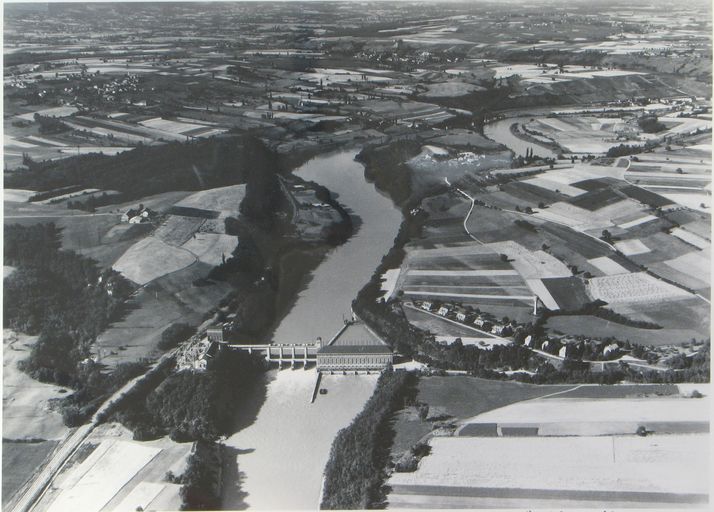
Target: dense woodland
(201, 481)
(188, 405)
(143, 171)
(262, 192)
(68, 301)
(356, 470)
(384, 165)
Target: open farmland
(471, 274)
(599, 328)
(152, 258)
(459, 397)
(117, 473)
(634, 287)
(572, 460)
(560, 414)
(26, 403)
(579, 134)
(492, 472)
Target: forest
(188, 405)
(68, 301)
(143, 171)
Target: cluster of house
(465, 317)
(138, 215)
(574, 349)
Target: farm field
(561, 409)
(26, 408)
(211, 248)
(483, 465)
(569, 293)
(152, 258)
(470, 274)
(595, 327)
(579, 134)
(623, 391)
(168, 299)
(460, 397)
(19, 462)
(633, 287)
(102, 475)
(438, 325)
(581, 473)
(685, 314)
(119, 474)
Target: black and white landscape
(353, 255)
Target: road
(468, 215)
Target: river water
(322, 305)
(276, 462)
(500, 131)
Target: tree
(175, 334)
(262, 191)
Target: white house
(443, 311)
(612, 348)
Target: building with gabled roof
(355, 348)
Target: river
(320, 308)
(277, 461)
(500, 131)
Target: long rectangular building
(355, 348)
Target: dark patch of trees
(650, 124)
(356, 470)
(60, 295)
(175, 334)
(50, 125)
(201, 482)
(68, 301)
(143, 171)
(384, 165)
(191, 406)
(262, 192)
(624, 150)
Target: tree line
(67, 300)
(357, 467)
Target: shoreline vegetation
(356, 470)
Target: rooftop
(355, 349)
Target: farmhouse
(482, 323)
(443, 311)
(426, 306)
(355, 348)
(502, 330)
(137, 215)
(611, 349)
